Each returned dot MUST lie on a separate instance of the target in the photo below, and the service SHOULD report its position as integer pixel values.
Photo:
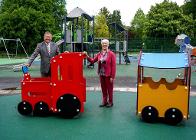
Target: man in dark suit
(47, 49)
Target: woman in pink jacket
(106, 70)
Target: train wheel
(149, 114)
(41, 109)
(68, 105)
(24, 108)
(173, 116)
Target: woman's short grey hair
(105, 41)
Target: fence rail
(155, 44)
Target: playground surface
(118, 122)
(126, 76)
(6, 61)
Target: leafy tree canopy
(190, 8)
(101, 28)
(29, 19)
(138, 23)
(167, 19)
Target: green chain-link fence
(155, 44)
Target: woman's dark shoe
(109, 105)
(102, 105)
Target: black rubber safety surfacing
(24, 108)
(68, 106)
(41, 109)
(173, 116)
(149, 114)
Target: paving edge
(121, 89)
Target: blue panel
(25, 69)
(187, 40)
(164, 60)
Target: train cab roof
(164, 60)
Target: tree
(167, 19)
(138, 23)
(29, 19)
(189, 7)
(104, 11)
(111, 18)
(115, 17)
(101, 28)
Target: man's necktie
(48, 48)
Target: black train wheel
(173, 116)
(68, 105)
(41, 109)
(149, 114)
(24, 108)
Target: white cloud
(127, 8)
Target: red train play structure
(63, 93)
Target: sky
(128, 8)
